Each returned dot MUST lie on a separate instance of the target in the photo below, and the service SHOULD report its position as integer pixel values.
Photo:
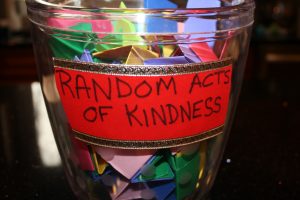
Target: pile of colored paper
(166, 173)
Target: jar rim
(232, 17)
(42, 4)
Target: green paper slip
(125, 34)
(158, 169)
(187, 177)
(186, 168)
(67, 48)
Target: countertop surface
(261, 161)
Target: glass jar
(141, 94)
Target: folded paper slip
(128, 54)
(186, 168)
(99, 163)
(115, 182)
(97, 26)
(186, 50)
(126, 162)
(83, 155)
(136, 191)
(204, 52)
(162, 189)
(68, 49)
(156, 169)
(167, 61)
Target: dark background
(262, 157)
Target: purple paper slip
(189, 53)
(167, 61)
(86, 56)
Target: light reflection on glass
(46, 143)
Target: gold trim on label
(140, 70)
(148, 144)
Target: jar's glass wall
(138, 37)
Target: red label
(143, 105)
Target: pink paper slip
(204, 52)
(126, 162)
